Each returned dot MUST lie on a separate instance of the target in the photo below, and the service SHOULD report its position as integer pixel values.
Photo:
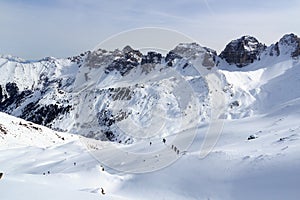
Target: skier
(102, 191)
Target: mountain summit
(291, 42)
(242, 51)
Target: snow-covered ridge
(16, 133)
(80, 94)
(64, 93)
(41, 163)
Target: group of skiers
(172, 147)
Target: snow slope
(263, 168)
(39, 163)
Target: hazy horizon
(35, 29)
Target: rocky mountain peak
(242, 51)
(192, 51)
(127, 49)
(289, 39)
(131, 54)
(188, 50)
(291, 43)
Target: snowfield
(263, 168)
(249, 116)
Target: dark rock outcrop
(43, 114)
(12, 98)
(128, 60)
(242, 51)
(171, 56)
(275, 50)
(291, 41)
(1, 95)
(12, 89)
(32, 111)
(151, 57)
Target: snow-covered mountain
(84, 94)
(137, 100)
(94, 93)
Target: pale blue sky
(60, 28)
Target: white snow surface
(39, 163)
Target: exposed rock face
(242, 51)
(44, 114)
(1, 95)
(128, 59)
(192, 51)
(152, 57)
(171, 56)
(292, 42)
(274, 50)
(32, 111)
(288, 45)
